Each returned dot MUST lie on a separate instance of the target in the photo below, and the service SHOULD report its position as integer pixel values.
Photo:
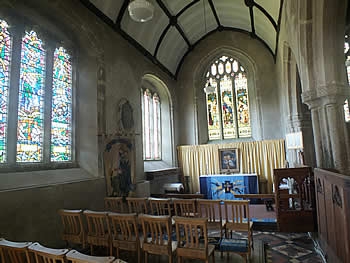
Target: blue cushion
(234, 245)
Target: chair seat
(234, 245)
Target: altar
(225, 186)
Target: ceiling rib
(121, 12)
(131, 40)
(214, 13)
(173, 21)
(161, 39)
(278, 27)
(267, 14)
(251, 13)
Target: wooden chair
(114, 204)
(137, 205)
(192, 236)
(125, 234)
(160, 206)
(237, 219)
(44, 254)
(73, 229)
(99, 233)
(185, 207)
(76, 257)
(14, 252)
(211, 209)
(157, 233)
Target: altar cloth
(223, 186)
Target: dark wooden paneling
(295, 207)
(333, 215)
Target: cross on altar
(227, 185)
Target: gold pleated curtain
(259, 157)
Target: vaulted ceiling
(178, 25)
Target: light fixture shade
(141, 10)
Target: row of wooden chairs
(106, 228)
(28, 252)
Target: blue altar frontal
(223, 186)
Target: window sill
(150, 166)
(34, 179)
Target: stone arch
(299, 117)
(199, 95)
(154, 83)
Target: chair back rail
(76, 257)
(138, 205)
(192, 236)
(114, 204)
(99, 233)
(185, 207)
(14, 252)
(73, 229)
(45, 254)
(160, 206)
(157, 233)
(125, 233)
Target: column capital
(334, 93)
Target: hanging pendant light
(141, 10)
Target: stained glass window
(61, 116)
(227, 100)
(347, 64)
(5, 59)
(146, 124)
(151, 125)
(43, 108)
(30, 100)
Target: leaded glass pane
(228, 122)
(61, 116)
(213, 114)
(235, 66)
(30, 100)
(228, 67)
(213, 69)
(243, 115)
(156, 127)
(5, 59)
(147, 124)
(221, 68)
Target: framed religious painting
(229, 160)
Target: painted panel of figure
(5, 60)
(227, 108)
(61, 116)
(213, 114)
(241, 89)
(30, 100)
(119, 166)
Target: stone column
(330, 138)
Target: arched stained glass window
(42, 105)
(61, 116)
(151, 125)
(227, 100)
(5, 59)
(31, 100)
(347, 64)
